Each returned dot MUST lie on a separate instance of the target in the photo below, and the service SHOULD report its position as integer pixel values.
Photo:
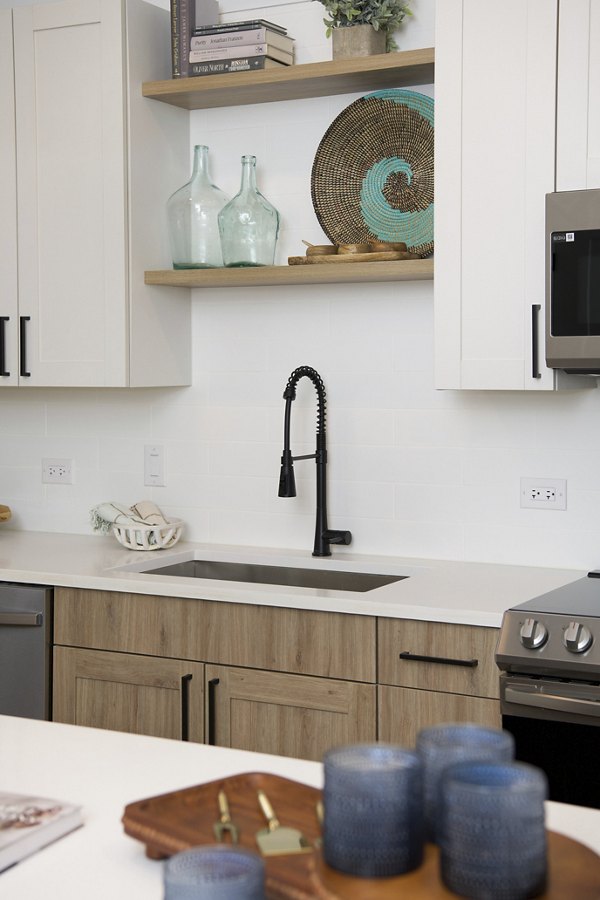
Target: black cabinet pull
(185, 707)
(535, 341)
(443, 660)
(3, 320)
(23, 345)
(212, 701)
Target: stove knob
(577, 638)
(533, 634)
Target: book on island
(247, 25)
(28, 823)
(243, 64)
(220, 53)
(242, 38)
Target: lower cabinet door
(404, 711)
(125, 692)
(288, 715)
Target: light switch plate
(154, 465)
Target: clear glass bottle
(248, 225)
(192, 215)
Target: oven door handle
(552, 701)
(21, 618)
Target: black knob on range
(533, 634)
(577, 638)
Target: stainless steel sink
(323, 579)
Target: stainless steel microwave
(573, 281)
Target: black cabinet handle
(443, 660)
(212, 701)
(535, 341)
(3, 320)
(185, 707)
(23, 345)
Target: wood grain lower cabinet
(125, 692)
(288, 715)
(434, 672)
(404, 711)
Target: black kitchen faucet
(324, 536)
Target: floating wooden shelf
(340, 76)
(265, 276)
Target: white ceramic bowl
(149, 537)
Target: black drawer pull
(212, 699)
(3, 320)
(23, 345)
(443, 660)
(185, 707)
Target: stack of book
(239, 47)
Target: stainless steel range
(549, 656)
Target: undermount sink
(322, 579)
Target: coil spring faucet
(324, 536)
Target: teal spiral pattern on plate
(372, 177)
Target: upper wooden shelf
(263, 276)
(339, 76)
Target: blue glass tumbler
(444, 745)
(492, 835)
(373, 810)
(214, 872)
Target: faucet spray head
(287, 479)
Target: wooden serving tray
(172, 822)
(337, 258)
(5, 513)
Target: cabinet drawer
(456, 659)
(404, 711)
(333, 645)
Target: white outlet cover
(533, 493)
(57, 471)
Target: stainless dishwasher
(25, 650)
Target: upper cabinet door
(495, 133)
(8, 209)
(72, 238)
(578, 101)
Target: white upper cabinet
(496, 71)
(578, 98)
(8, 207)
(95, 164)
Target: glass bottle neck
(248, 173)
(200, 170)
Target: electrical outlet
(543, 493)
(57, 471)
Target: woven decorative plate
(372, 176)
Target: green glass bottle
(248, 224)
(192, 215)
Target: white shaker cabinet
(578, 98)
(95, 164)
(495, 161)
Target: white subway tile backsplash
(412, 471)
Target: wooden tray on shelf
(176, 821)
(337, 258)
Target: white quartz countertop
(103, 771)
(435, 590)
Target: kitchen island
(104, 770)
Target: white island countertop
(103, 771)
(435, 590)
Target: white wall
(412, 471)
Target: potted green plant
(363, 27)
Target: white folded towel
(105, 515)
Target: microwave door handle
(553, 701)
(535, 340)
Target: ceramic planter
(357, 40)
